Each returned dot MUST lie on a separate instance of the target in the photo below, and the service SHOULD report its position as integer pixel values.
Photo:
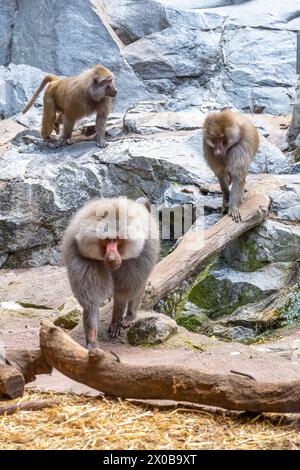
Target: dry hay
(80, 422)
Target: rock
(7, 18)
(44, 287)
(70, 314)
(223, 290)
(8, 130)
(271, 242)
(285, 202)
(267, 74)
(235, 333)
(196, 54)
(194, 4)
(284, 343)
(259, 14)
(269, 159)
(151, 123)
(151, 330)
(157, 154)
(191, 317)
(259, 316)
(17, 84)
(192, 54)
(194, 319)
(131, 23)
(219, 73)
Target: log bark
(105, 373)
(19, 367)
(11, 382)
(10, 408)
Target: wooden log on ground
(11, 382)
(19, 367)
(29, 362)
(104, 372)
(10, 408)
(194, 249)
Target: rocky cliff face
(174, 61)
(189, 54)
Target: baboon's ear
(145, 202)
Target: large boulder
(7, 17)
(273, 241)
(223, 290)
(204, 55)
(17, 84)
(132, 22)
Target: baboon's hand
(225, 208)
(234, 213)
(102, 143)
(115, 329)
(127, 321)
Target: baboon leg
(132, 309)
(90, 323)
(49, 116)
(119, 308)
(223, 181)
(68, 128)
(100, 129)
(58, 122)
(235, 198)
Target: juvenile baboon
(71, 98)
(110, 248)
(230, 142)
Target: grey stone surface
(285, 202)
(151, 330)
(17, 84)
(273, 241)
(207, 55)
(7, 17)
(224, 289)
(132, 21)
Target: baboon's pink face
(112, 252)
(219, 144)
(103, 87)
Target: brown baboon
(71, 98)
(230, 142)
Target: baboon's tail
(46, 79)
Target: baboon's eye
(96, 82)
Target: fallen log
(19, 367)
(194, 249)
(107, 373)
(11, 382)
(10, 408)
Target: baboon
(230, 142)
(69, 99)
(109, 249)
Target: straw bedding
(81, 422)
